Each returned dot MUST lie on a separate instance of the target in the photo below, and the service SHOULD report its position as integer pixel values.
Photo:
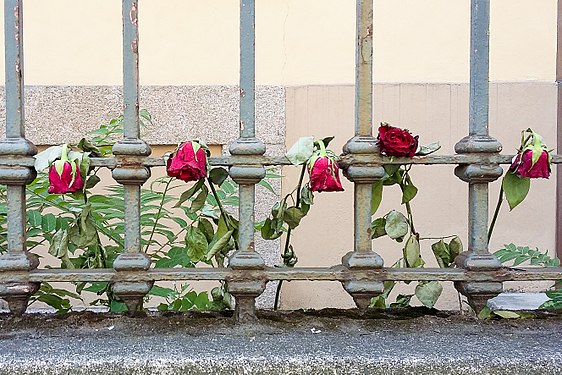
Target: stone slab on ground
(325, 342)
(517, 301)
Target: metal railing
(479, 274)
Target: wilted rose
(324, 174)
(523, 165)
(188, 162)
(64, 177)
(397, 142)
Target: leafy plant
(522, 254)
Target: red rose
(324, 175)
(64, 177)
(188, 162)
(523, 165)
(397, 142)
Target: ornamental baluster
(478, 176)
(17, 260)
(247, 176)
(362, 256)
(130, 171)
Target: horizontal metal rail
(336, 273)
(345, 160)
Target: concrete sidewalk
(325, 342)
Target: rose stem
(158, 214)
(496, 213)
(288, 238)
(408, 207)
(221, 209)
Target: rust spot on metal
(242, 93)
(135, 46)
(133, 14)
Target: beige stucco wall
(76, 42)
(437, 112)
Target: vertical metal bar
(131, 127)
(132, 218)
(245, 291)
(478, 218)
(17, 259)
(13, 35)
(130, 171)
(246, 226)
(16, 218)
(364, 69)
(478, 117)
(364, 143)
(130, 69)
(362, 220)
(479, 67)
(559, 133)
(478, 176)
(247, 68)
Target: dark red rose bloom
(397, 142)
(67, 181)
(324, 175)
(186, 164)
(523, 165)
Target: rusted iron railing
(479, 275)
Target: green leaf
(428, 149)
(92, 181)
(34, 218)
(485, 313)
(201, 301)
(48, 223)
(441, 251)
(196, 243)
(301, 151)
(268, 186)
(292, 217)
(207, 228)
(378, 302)
(59, 244)
(159, 291)
(409, 191)
(428, 292)
(455, 248)
(326, 141)
(220, 245)
(269, 230)
(199, 200)
(402, 301)
(87, 146)
(190, 192)
(396, 225)
(218, 175)
(377, 227)
(44, 159)
(307, 196)
(507, 314)
(515, 188)
(376, 199)
(412, 252)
